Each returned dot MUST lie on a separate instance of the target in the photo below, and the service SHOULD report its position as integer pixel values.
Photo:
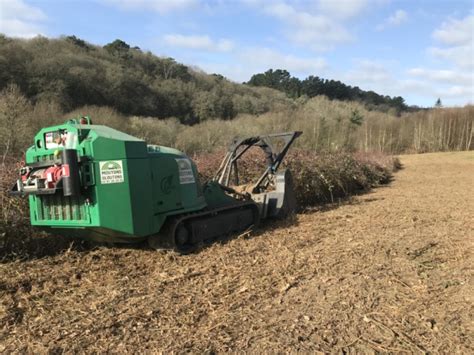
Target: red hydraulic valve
(54, 173)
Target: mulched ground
(388, 271)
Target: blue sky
(420, 50)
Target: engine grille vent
(60, 208)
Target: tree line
(312, 86)
(71, 73)
(327, 125)
(46, 81)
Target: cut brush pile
(318, 179)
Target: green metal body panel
(215, 197)
(128, 188)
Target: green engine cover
(128, 188)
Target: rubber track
(166, 238)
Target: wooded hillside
(312, 86)
(46, 81)
(72, 73)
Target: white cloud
(450, 94)
(457, 36)
(343, 9)
(458, 91)
(396, 19)
(452, 86)
(265, 58)
(18, 19)
(319, 25)
(454, 83)
(370, 73)
(443, 76)
(414, 86)
(316, 31)
(160, 6)
(462, 56)
(199, 42)
(250, 60)
(456, 32)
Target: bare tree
(13, 106)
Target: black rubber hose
(71, 181)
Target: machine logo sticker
(186, 175)
(111, 172)
(167, 184)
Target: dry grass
(388, 271)
(327, 126)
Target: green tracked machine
(94, 182)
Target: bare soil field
(388, 271)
